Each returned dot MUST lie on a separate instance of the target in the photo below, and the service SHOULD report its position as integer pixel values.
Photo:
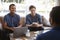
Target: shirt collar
(11, 15)
(34, 16)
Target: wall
(58, 2)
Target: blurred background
(22, 7)
(43, 7)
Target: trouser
(6, 34)
(35, 28)
(3, 35)
(0, 34)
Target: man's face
(33, 10)
(12, 9)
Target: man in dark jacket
(53, 34)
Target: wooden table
(33, 35)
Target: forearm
(28, 25)
(40, 24)
(20, 24)
(9, 28)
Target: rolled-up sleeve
(18, 18)
(5, 19)
(27, 20)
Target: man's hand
(20, 26)
(36, 25)
(12, 29)
(28, 25)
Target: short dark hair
(55, 14)
(11, 5)
(32, 7)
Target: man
(11, 20)
(53, 34)
(33, 20)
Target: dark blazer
(53, 34)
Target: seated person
(54, 33)
(33, 20)
(11, 20)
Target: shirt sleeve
(40, 19)
(18, 18)
(27, 20)
(5, 19)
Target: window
(8, 1)
(43, 7)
